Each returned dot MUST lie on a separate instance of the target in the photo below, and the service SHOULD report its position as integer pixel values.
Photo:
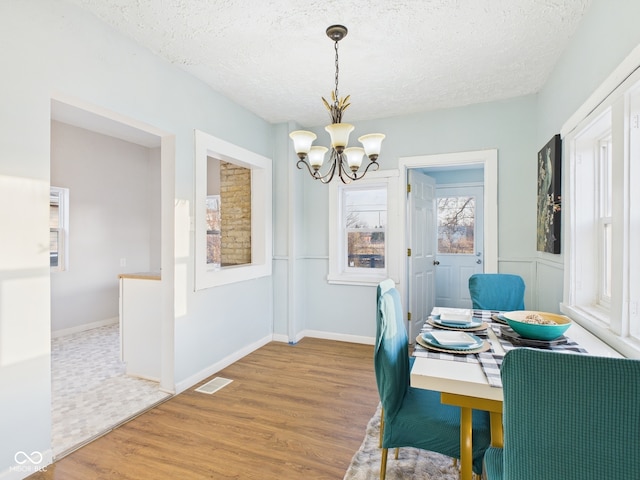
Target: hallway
(90, 392)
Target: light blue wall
(607, 34)
(472, 175)
(518, 128)
(508, 126)
(50, 46)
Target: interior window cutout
(232, 213)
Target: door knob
(436, 262)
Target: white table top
(465, 378)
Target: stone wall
(235, 209)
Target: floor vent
(214, 385)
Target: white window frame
(339, 272)
(208, 275)
(604, 219)
(63, 227)
(616, 320)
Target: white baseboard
(340, 337)
(280, 338)
(20, 471)
(83, 327)
(225, 362)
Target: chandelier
(346, 161)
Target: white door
(421, 223)
(460, 248)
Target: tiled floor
(90, 391)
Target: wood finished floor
(291, 412)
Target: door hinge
(408, 188)
(408, 252)
(408, 316)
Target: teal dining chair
(496, 291)
(568, 417)
(414, 417)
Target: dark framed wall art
(549, 198)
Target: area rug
(412, 463)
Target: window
(602, 252)
(58, 228)
(456, 223)
(232, 213)
(364, 216)
(363, 228)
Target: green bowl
(537, 331)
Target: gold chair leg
(381, 432)
(381, 426)
(383, 464)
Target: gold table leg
(466, 451)
(496, 429)
(467, 404)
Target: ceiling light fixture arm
(326, 178)
(337, 162)
(353, 175)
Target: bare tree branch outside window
(456, 225)
(365, 224)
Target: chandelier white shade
(302, 141)
(339, 133)
(316, 156)
(343, 160)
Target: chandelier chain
(337, 70)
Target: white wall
(111, 218)
(55, 49)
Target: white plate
(450, 324)
(456, 317)
(453, 315)
(453, 338)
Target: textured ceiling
(399, 57)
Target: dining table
(472, 381)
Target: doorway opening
(109, 164)
(421, 285)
